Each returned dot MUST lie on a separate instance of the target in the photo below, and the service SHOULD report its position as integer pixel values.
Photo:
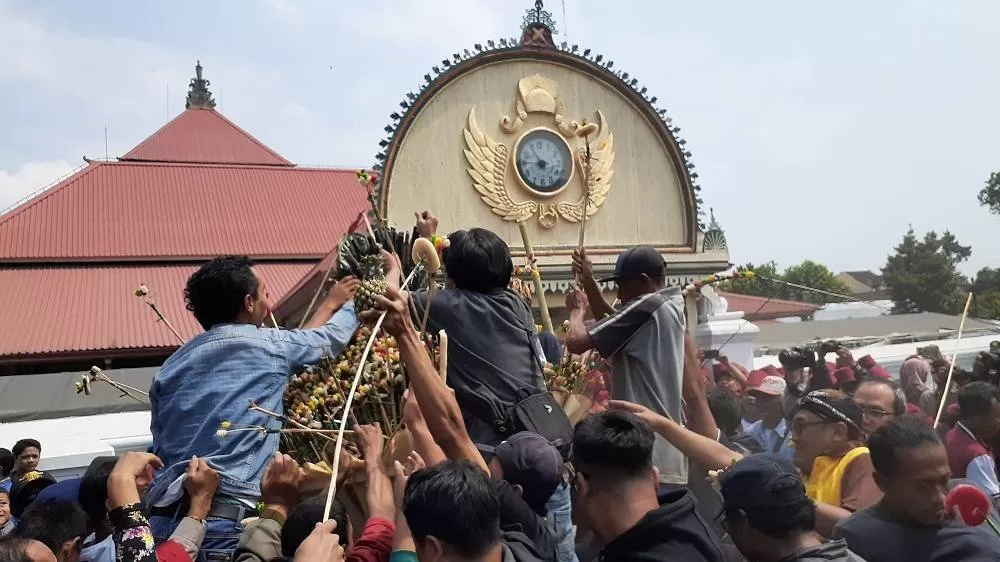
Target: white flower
(221, 433)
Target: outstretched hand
(651, 418)
(395, 304)
(343, 291)
(427, 223)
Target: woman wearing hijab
(914, 377)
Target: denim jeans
(220, 541)
(559, 517)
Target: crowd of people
(693, 459)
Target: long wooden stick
(350, 398)
(543, 306)
(954, 359)
(443, 356)
(163, 319)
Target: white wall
(69, 444)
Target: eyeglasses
(799, 425)
(875, 413)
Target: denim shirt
(212, 379)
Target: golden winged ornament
(597, 175)
(488, 168)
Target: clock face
(544, 161)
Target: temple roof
(204, 136)
(131, 211)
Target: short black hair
(302, 520)
(478, 260)
(456, 503)
(906, 432)
(94, 488)
(23, 444)
(215, 292)
(898, 400)
(53, 523)
(726, 409)
(977, 399)
(6, 462)
(14, 549)
(613, 446)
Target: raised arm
(338, 296)
(442, 414)
(584, 271)
(707, 452)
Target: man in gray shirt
(643, 341)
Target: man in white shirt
(771, 431)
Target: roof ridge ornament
(198, 95)
(538, 27)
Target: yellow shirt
(827, 473)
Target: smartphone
(710, 354)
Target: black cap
(26, 487)
(531, 462)
(761, 484)
(637, 261)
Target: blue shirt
(212, 379)
(769, 439)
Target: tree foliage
(986, 288)
(807, 273)
(922, 275)
(989, 195)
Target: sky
(820, 131)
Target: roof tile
(101, 306)
(128, 211)
(204, 136)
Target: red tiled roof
(760, 308)
(128, 211)
(204, 136)
(52, 309)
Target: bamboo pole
(542, 305)
(954, 358)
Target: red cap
(843, 375)
(773, 371)
(867, 362)
(879, 373)
(756, 377)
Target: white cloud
(32, 177)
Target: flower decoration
(366, 178)
(440, 242)
(695, 286)
(142, 290)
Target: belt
(219, 510)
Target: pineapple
(372, 274)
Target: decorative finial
(715, 238)
(538, 27)
(198, 95)
(539, 16)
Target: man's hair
(456, 503)
(977, 399)
(898, 398)
(94, 489)
(478, 260)
(6, 462)
(14, 549)
(613, 446)
(215, 292)
(726, 409)
(53, 523)
(906, 432)
(782, 521)
(23, 444)
(302, 520)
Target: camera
(795, 358)
(827, 347)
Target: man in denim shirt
(213, 377)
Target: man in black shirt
(615, 496)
